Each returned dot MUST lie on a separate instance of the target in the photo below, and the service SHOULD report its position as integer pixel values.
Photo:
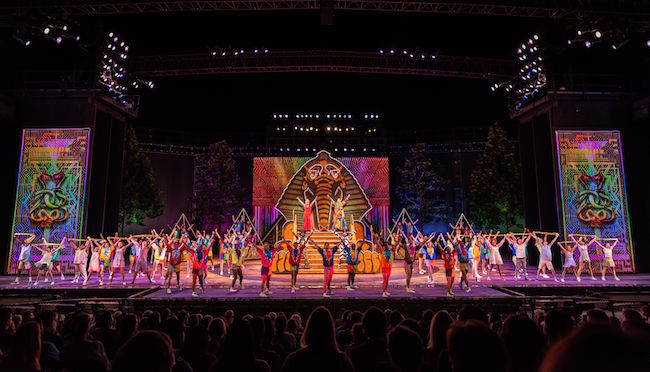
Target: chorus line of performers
(463, 251)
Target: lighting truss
(322, 61)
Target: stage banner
(592, 187)
(271, 175)
(51, 189)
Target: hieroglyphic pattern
(592, 180)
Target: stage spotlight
(536, 37)
(275, 116)
(266, 50)
(598, 34)
(381, 51)
(281, 149)
(588, 44)
(335, 149)
(59, 40)
(647, 43)
(364, 149)
(77, 38)
(110, 34)
(28, 42)
(579, 33)
(286, 116)
(345, 149)
(392, 51)
(298, 150)
(317, 116)
(365, 116)
(255, 51)
(46, 31)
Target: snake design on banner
(50, 201)
(595, 204)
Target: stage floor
(311, 286)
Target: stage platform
(497, 294)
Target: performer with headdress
(307, 216)
(339, 213)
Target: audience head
(147, 351)
(374, 324)
(528, 355)
(319, 331)
(469, 312)
(475, 347)
(25, 350)
(438, 330)
(404, 349)
(557, 325)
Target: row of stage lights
(51, 29)
(237, 52)
(531, 78)
(326, 116)
(588, 38)
(329, 129)
(336, 149)
(113, 71)
(407, 53)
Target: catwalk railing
(323, 61)
(548, 9)
(392, 150)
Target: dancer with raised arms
(569, 262)
(80, 258)
(118, 257)
(545, 254)
(307, 215)
(495, 256)
(608, 260)
(25, 256)
(266, 254)
(328, 255)
(583, 247)
(44, 265)
(386, 258)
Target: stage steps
(315, 259)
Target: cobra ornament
(49, 200)
(595, 204)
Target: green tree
(217, 190)
(421, 188)
(495, 186)
(140, 194)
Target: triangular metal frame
(462, 217)
(400, 217)
(243, 212)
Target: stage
(497, 294)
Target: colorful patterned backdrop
(51, 189)
(272, 174)
(592, 185)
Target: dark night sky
(237, 104)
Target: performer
(133, 253)
(430, 258)
(224, 255)
(520, 245)
(295, 254)
(474, 256)
(583, 248)
(484, 254)
(198, 255)
(410, 255)
(80, 259)
(118, 257)
(569, 262)
(339, 213)
(105, 253)
(352, 260)
(236, 250)
(160, 255)
(462, 256)
(387, 255)
(307, 216)
(495, 255)
(328, 265)
(449, 257)
(266, 256)
(93, 266)
(44, 265)
(25, 257)
(545, 254)
(141, 263)
(608, 260)
(177, 245)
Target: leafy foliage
(421, 187)
(140, 195)
(217, 190)
(495, 186)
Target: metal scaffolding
(547, 9)
(323, 61)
